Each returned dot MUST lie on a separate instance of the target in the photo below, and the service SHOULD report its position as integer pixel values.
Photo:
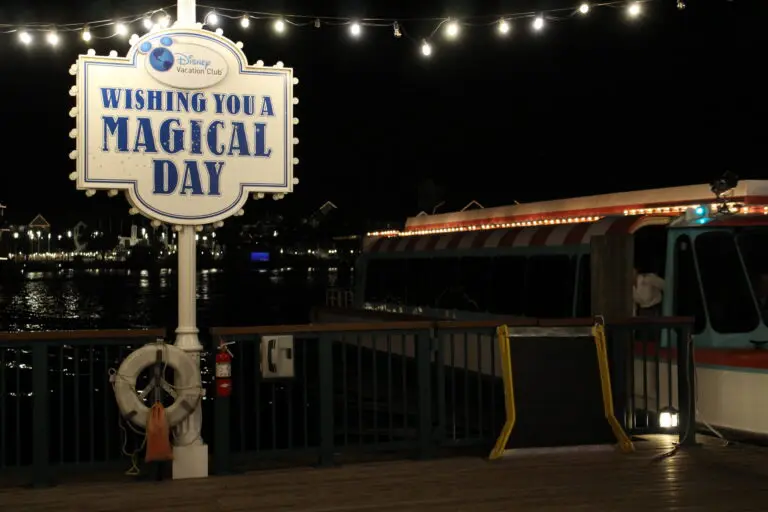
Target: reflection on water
(119, 299)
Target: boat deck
(711, 477)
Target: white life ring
(186, 382)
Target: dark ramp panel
(557, 393)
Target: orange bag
(158, 436)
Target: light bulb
(452, 29)
(426, 49)
(634, 9)
(355, 29)
(538, 23)
(52, 38)
(147, 23)
(219, 31)
(503, 27)
(86, 35)
(165, 21)
(279, 26)
(25, 38)
(212, 18)
(245, 21)
(121, 29)
(584, 8)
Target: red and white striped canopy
(546, 235)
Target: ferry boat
(708, 242)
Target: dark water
(122, 299)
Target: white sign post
(186, 129)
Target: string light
(451, 28)
(426, 49)
(52, 38)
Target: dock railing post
(325, 374)
(686, 384)
(41, 424)
(423, 349)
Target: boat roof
(748, 197)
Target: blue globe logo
(161, 59)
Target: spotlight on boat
(725, 184)
(668, 418)
(721, 187)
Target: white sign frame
(122, 175)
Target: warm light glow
(668, 419)
(355, 29)
(279, 26)
(212, 18)
(86, 35)
(584, 8)
(52, 38)
(451, 29)
(426, 49)
(484, 227)
(634, 9)
(147, 23)
(538, 23)
(503, 27)
(245, 21)
(25, 38)
(121, 29)
(165, 21)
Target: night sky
(592, 104)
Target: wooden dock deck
(711, 477)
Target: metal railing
(408, 387)
(56, 402)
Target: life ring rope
(187, 391)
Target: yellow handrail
(502, 336)
(625, 443)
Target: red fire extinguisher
(223, 371)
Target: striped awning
(546, 235)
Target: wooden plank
(709, 478)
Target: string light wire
(120, 27)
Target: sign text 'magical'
(187, 134)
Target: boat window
(687, 295)
(584, 299)
(445, 280)
(385, 281)
(549, 287)
(507, 292)
(420, 288)
(727, 293)
(651, 249)
(475, 278)
(753, 245)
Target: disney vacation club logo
(162, 59)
